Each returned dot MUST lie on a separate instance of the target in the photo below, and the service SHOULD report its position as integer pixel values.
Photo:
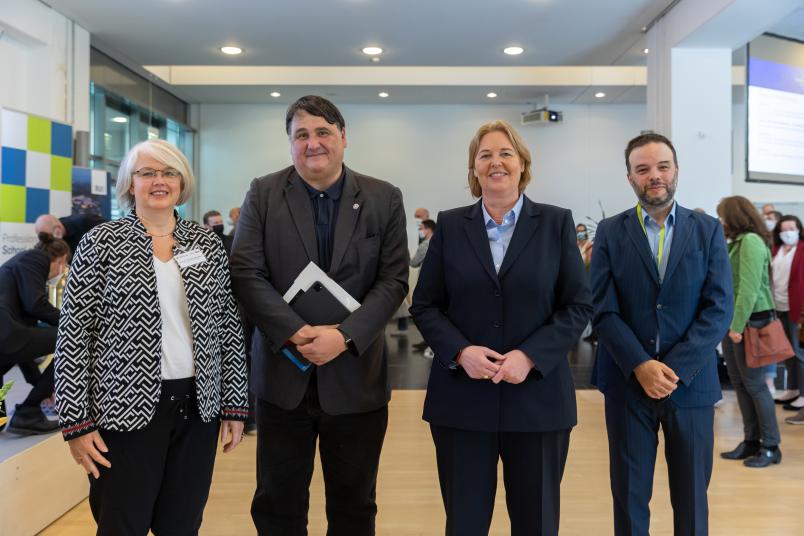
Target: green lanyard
(661, 234)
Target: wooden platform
(742, 501)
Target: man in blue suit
(663, 300)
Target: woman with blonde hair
(501, 299)
(150, 363)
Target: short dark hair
(317, 106)
(54, 248)
(645, 139)
(209, 214)
(429, 224)
(778, 229)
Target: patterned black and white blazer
(109, 347)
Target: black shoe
(29, 420)
(790, 407)
(744, 450)
(764, 458)
(419, 346)
(781, 401)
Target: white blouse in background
(177, 337)
(782, 263)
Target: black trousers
(160, 475)
(533, 465)
(633, 426)
(41, 341)
(350, 455)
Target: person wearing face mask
(584, 244)
(426, 230)
(213, 220)
(419, 215)
(23, 303)
(788, 294)
(770, 217)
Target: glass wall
(118, 122)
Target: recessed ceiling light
(491, 95)
(372, 51)
(275, 94)
(646, 50)
(383, 95)
(120, 119)
(232, 51)
(514, 51)
(600, 94)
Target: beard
(653, 201)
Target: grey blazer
(275, 240)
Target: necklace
(159, 235)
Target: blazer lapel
(302, 215)
(476, 233)
(681, 235)
(348, 211)
(637, 236)
(525, 227)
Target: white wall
(423, 150)
(44, 61)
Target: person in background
(750, 259)
(69, 228)
(214, 222)
(149, 359)
(501, 299)
(788, 295)
(584, 243)
(770, 217)
(23, 303)
(426, 230)
(234, 215)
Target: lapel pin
(356, 206)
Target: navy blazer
(691, 309)
(539, 303)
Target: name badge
(190, 258)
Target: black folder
(317, 306)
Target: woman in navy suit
(501, 299)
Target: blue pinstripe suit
(690, 310)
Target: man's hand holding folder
(322, 303)
(323, 343)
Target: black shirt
(325, 214)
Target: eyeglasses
(167, 173)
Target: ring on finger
(486, 377)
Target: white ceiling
(306, 33)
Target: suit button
(496, 292)
(652, 341)
(659, 306)
(497, 323)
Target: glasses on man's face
(149, 173)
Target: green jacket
(750, 261)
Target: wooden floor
(742, 501)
